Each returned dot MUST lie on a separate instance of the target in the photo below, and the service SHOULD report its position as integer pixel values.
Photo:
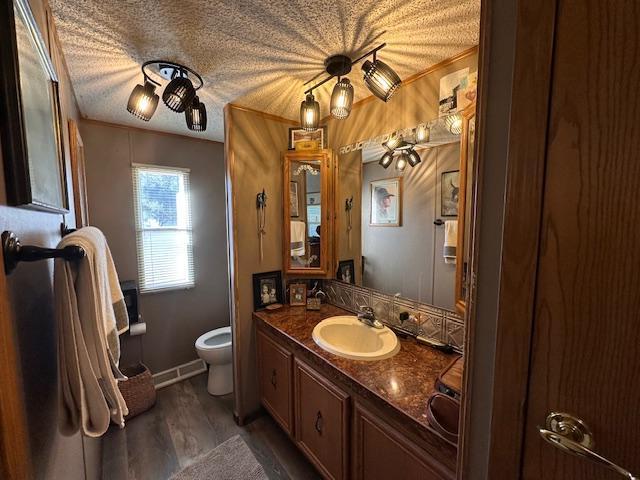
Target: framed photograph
(297, 294)
(267, 289)
(346, 271)
(31, 122)
(449, 191)
(313, 198)
(386, 202)
(300, 135)
(294, 203)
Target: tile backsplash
(432, 322)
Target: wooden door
(275, 379)
(321, 421)
(382, 452)
(586, 325)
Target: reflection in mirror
(305, 212)
(408, 239)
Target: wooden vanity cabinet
(344, 435)
(380, 451)
(275, 379)
(321, 421)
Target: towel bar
(14, 253)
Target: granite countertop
(404, 381)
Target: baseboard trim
(179, 373)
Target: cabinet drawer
(381, 452)
(322, 423)
(274, 371)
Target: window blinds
(163, 228)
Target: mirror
(408, 235)
(307, 203)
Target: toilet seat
(215, 339)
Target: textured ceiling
(253, 53)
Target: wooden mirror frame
(327, 208)
(460, 294)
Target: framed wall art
(449, 191)
(386, 202)
(267, 289)
(31, 125)
(300, 135)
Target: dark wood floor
(188, 422)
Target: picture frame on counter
(297, 294)
(267, 290)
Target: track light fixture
(402, 150)
(179, 95)
(378, 76)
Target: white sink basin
(347, 337)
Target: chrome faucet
(367, 316)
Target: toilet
(214, 347)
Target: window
(163, 228)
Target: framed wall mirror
(465, 202)
(423, 250)
(31, 126)
(308, 213)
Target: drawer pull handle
(274, 380)
(319, 422)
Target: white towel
(298, 238)
(450, 241)
(88, 324)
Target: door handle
(571, 435)
(319, 422)
(274, 380)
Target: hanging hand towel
(89, 316)
(450, 241)
(298, 238)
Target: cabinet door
(381, 452)
(321, 421)
(274, 370)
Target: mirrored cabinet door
(308, 207)
(465, 210)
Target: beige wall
(30, 291)
(254, 144)
(175, 319)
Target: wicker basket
(138, 391)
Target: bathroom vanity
(352, 419)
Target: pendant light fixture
(309, 113)
(393, 142)
(378, 76)
(342, 99)
(143, 101)
(196, 116)
(179, 95)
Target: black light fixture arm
(353, 62)
(177, 66)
